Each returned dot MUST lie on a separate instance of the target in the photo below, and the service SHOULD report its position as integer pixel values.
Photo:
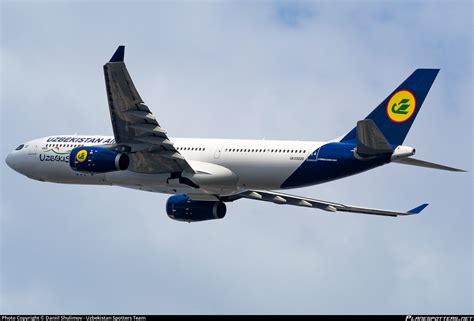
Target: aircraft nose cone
(9, 161)
(12, 162)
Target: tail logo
(401, 106)
(81, 155)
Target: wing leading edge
(135, 127)
(281, 198)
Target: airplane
(204, 174)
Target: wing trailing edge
(417, 162)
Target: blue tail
(395, 115)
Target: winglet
(418, 209)
(118, 55)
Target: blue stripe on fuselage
(329, 162)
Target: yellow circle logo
(401, 106)
(81, 155)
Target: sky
(273, 70)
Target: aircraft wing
(281, 198)
(136, 129)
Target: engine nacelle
(182, 208)
(94, 159)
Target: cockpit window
(19, 147)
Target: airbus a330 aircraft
(205, 173)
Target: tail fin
(395, 115)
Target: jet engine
(93, 159)
(182, 208)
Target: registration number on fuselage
(297, 158)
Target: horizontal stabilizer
(417, 162)
(370, 140)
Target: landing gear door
(219, 149)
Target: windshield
(19, 147)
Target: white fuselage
(223, 166)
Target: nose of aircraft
(10, 161)
(13, 162)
